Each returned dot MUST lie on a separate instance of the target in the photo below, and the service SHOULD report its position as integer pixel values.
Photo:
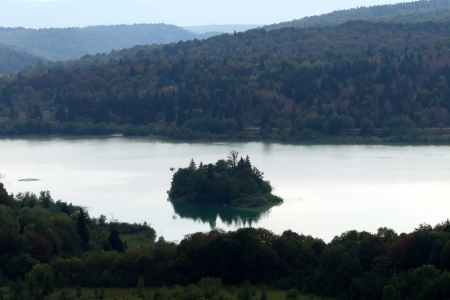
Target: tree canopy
(41, 249)
(431, 10)
(300, 81)
(231, 182)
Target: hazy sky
(79, 13)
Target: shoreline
(323, 141)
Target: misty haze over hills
(61, 44)
(14, 60)
(221, 28)
(70, 43)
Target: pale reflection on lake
(327, 189)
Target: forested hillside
(72, 43)
(320, 80)
(221, 28)
(13, 60)
(46, 244)
(405, 11)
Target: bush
(292, 295)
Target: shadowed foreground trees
(354, 265)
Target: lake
(327, 189)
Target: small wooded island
(230, 182)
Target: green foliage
(79, 291)
(234, 182)
(210, 286)
(48, 284)
(400, 12)
(354, 265)
(160, 294)
(114, 240)
(212, 125)
(389, 293)
(292, 295)
(140, 286)
(367, 127)
(5, 199)
(63, 295)
(19, 290)
(263, 295)
(82, 228)
(323, 89)
(3, 279)
(245, 292)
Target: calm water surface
(327, 189)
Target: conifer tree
(82, 228)
(192, 165)
(114, 240)
(247, 164)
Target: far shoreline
(335, 141)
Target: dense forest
(13, 60)
(227, 182)
(46, 244)
(405, 11)
(60, 44)
(387, 79)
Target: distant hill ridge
(63, 44)
(225, 28)
(11, 60)
(290, 41)
(405, 12)
(60, 44)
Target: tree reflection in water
(229, 215)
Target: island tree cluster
(230, 182)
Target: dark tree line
(41, 246)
